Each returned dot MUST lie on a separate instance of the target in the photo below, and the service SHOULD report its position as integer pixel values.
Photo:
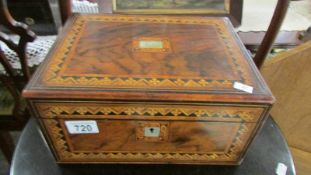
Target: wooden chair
(288, 76)
(13, 111)
(265, 46)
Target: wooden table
(33, 157)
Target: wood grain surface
(288, 75)
(96, 57)
(302, 160)
(188, 142)
(189, 133)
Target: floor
(4, 167)
(302, 160)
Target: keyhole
(151, 130)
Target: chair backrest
(65, 9)
(25, 34)
(265, 46)
(288, 76)
(13, 81)
(271, 34)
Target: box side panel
(44, 131)
(124, 131)
(257, 129)
(127, 141)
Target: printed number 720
(83, 128)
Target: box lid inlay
(97, 54)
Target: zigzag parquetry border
(52, 77)
(70, 110)
(60, 144)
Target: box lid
(156, 58)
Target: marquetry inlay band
(150, 111)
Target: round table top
(33, 157)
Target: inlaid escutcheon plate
(151, 44)
(152, 131)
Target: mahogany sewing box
(149, 89)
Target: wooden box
(149, 89)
